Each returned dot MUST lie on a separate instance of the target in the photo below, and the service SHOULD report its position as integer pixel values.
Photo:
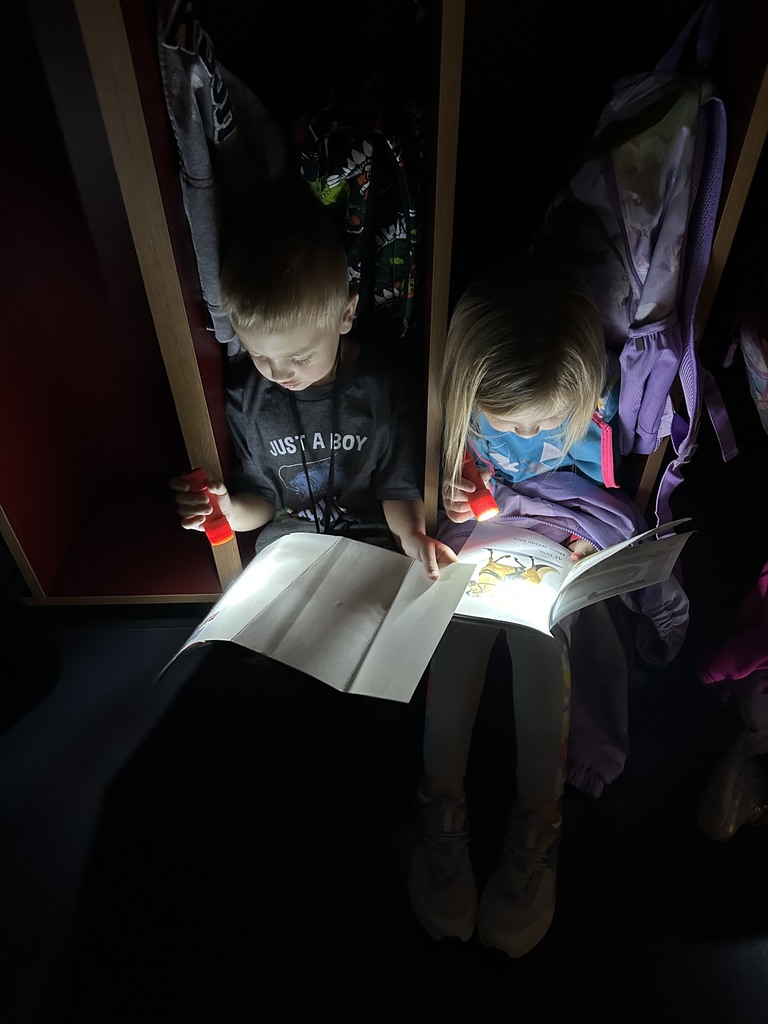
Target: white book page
(355, 616)
(629, 567)
(326, 621)
(524, 578)
(516, 576)
(410, 632)
(271, 572)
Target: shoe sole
(721, 813)
(463, 928)
(519, 944)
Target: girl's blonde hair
(283, 263)
(528, 343)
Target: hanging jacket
(227, 142)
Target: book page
(326, 621)
(355, 616)
(517, 575)
(618, 570)
(522, 577)
(265, 577)
(410, 632)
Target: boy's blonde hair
(283, 263)
(529, 343)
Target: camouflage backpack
(362, 160)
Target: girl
(528, 387)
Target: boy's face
(299, 359)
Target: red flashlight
(217, 528)
(481, 500)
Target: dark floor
(231, 844)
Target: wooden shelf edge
(733, 202)
(19, 556)
(109, 55)
(439, 272)
(120, 599)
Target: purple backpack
(637, 219)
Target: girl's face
(524, 426)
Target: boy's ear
(348, 317)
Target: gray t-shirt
(373, 444)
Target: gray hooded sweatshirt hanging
(226, 140)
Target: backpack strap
(606, 450)
(695, 46)
(698, 385)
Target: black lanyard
(334, 427)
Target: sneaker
(441, 884)
(737, 794)
(518, 903)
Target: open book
(367, 620)
(524, 578)
(359, 617)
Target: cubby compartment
(90, 426)
(111, 378)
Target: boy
(319, 427)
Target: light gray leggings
(541, 694)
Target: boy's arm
(407, 521)
(243, 511)
(249, 512)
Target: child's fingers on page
(445, 555)
(581, 548)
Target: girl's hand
(456, 500)
(193, 506)
(580, 549)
